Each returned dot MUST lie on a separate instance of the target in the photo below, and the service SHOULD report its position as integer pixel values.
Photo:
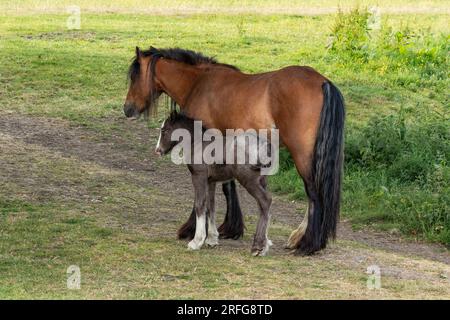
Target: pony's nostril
(128, 110)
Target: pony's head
(143, 88)
(175, 121)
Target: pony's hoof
(291, 244)
(192, 245)
(295, 238)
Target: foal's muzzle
(159, 151)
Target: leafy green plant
(350, 34)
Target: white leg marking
(213, 235)
(264, 251)
(298, 233)
(200, 233)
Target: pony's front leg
(201, 194)
(213, 235)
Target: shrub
(350, 34)
(408, 149)
(414, 59)
(397, 171)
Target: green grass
(80, 76)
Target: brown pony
(306, 108)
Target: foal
(204, 179)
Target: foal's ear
(138, 52)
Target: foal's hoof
(192, 245)
(212, 242)
(259, 252)
(262, 252)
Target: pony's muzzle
(130, 110)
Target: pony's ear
(138, 52)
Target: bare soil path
(129, 150)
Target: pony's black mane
(178, 54)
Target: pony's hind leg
(213, 235)
(187, 230)
(297, 234)
(319, 160)
(305, 240)
(257, 189)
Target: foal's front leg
(201, 196)
(213, 235)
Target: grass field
(78, 185)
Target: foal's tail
(326, 171)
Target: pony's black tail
(233, 226)
(324, 187)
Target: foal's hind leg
(213, 235)
(257, 188)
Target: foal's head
(175, 121)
